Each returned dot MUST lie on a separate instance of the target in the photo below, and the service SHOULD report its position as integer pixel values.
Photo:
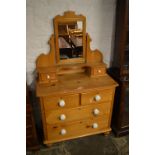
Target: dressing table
(76, 94)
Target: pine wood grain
(77, 129)
(79, 113)
(76, 81)
(89, 97)
(52, 103)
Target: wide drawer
(96, 96)
(69, 101)
(73, 114)
(80, 128)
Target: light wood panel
(52, 103)
(69, 16)
(79, 113)
(76, 83)
(83, 127)
(43, 118)
(89, 97)
(99, 71)
(50, 61)
(46, 60)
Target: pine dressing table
(76, 95)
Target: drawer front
(79, 113)
(61, 102)
(96, 96)
(47, 76)
(86, 127)
(99, 71)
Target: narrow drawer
(96, 96)
(68, 101)
(79, 113)
(81, 128)
(47, 76)
(99, 71)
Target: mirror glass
(70, 40)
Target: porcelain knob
(62, 117)
(61, 103)
(99, 71)
(95, 125)
(96, 111)
(63, 132)
(97, 97)
(48, 77)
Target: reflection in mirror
(70, 40)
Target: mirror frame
(69, 16)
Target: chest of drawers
(76, 95)
(83, 108)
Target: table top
(75, 83)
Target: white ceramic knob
(61, 103)
(63, 132)
(62, 117)
(97, 98)
(48, 77)
(99, 71)
(95, 125)
(96, 111)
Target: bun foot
(48, 145)
(107, 133)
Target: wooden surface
(79, 113)
(120, 121)
(120, 59)
(119, 69)
(77, 82)
(79, 105)
(91, 62)
(47, 60)
(79, 128)
(74, 83)
(32, 142)
(51, 103)
(69, 16)
(88, 97)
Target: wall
(100, 16)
